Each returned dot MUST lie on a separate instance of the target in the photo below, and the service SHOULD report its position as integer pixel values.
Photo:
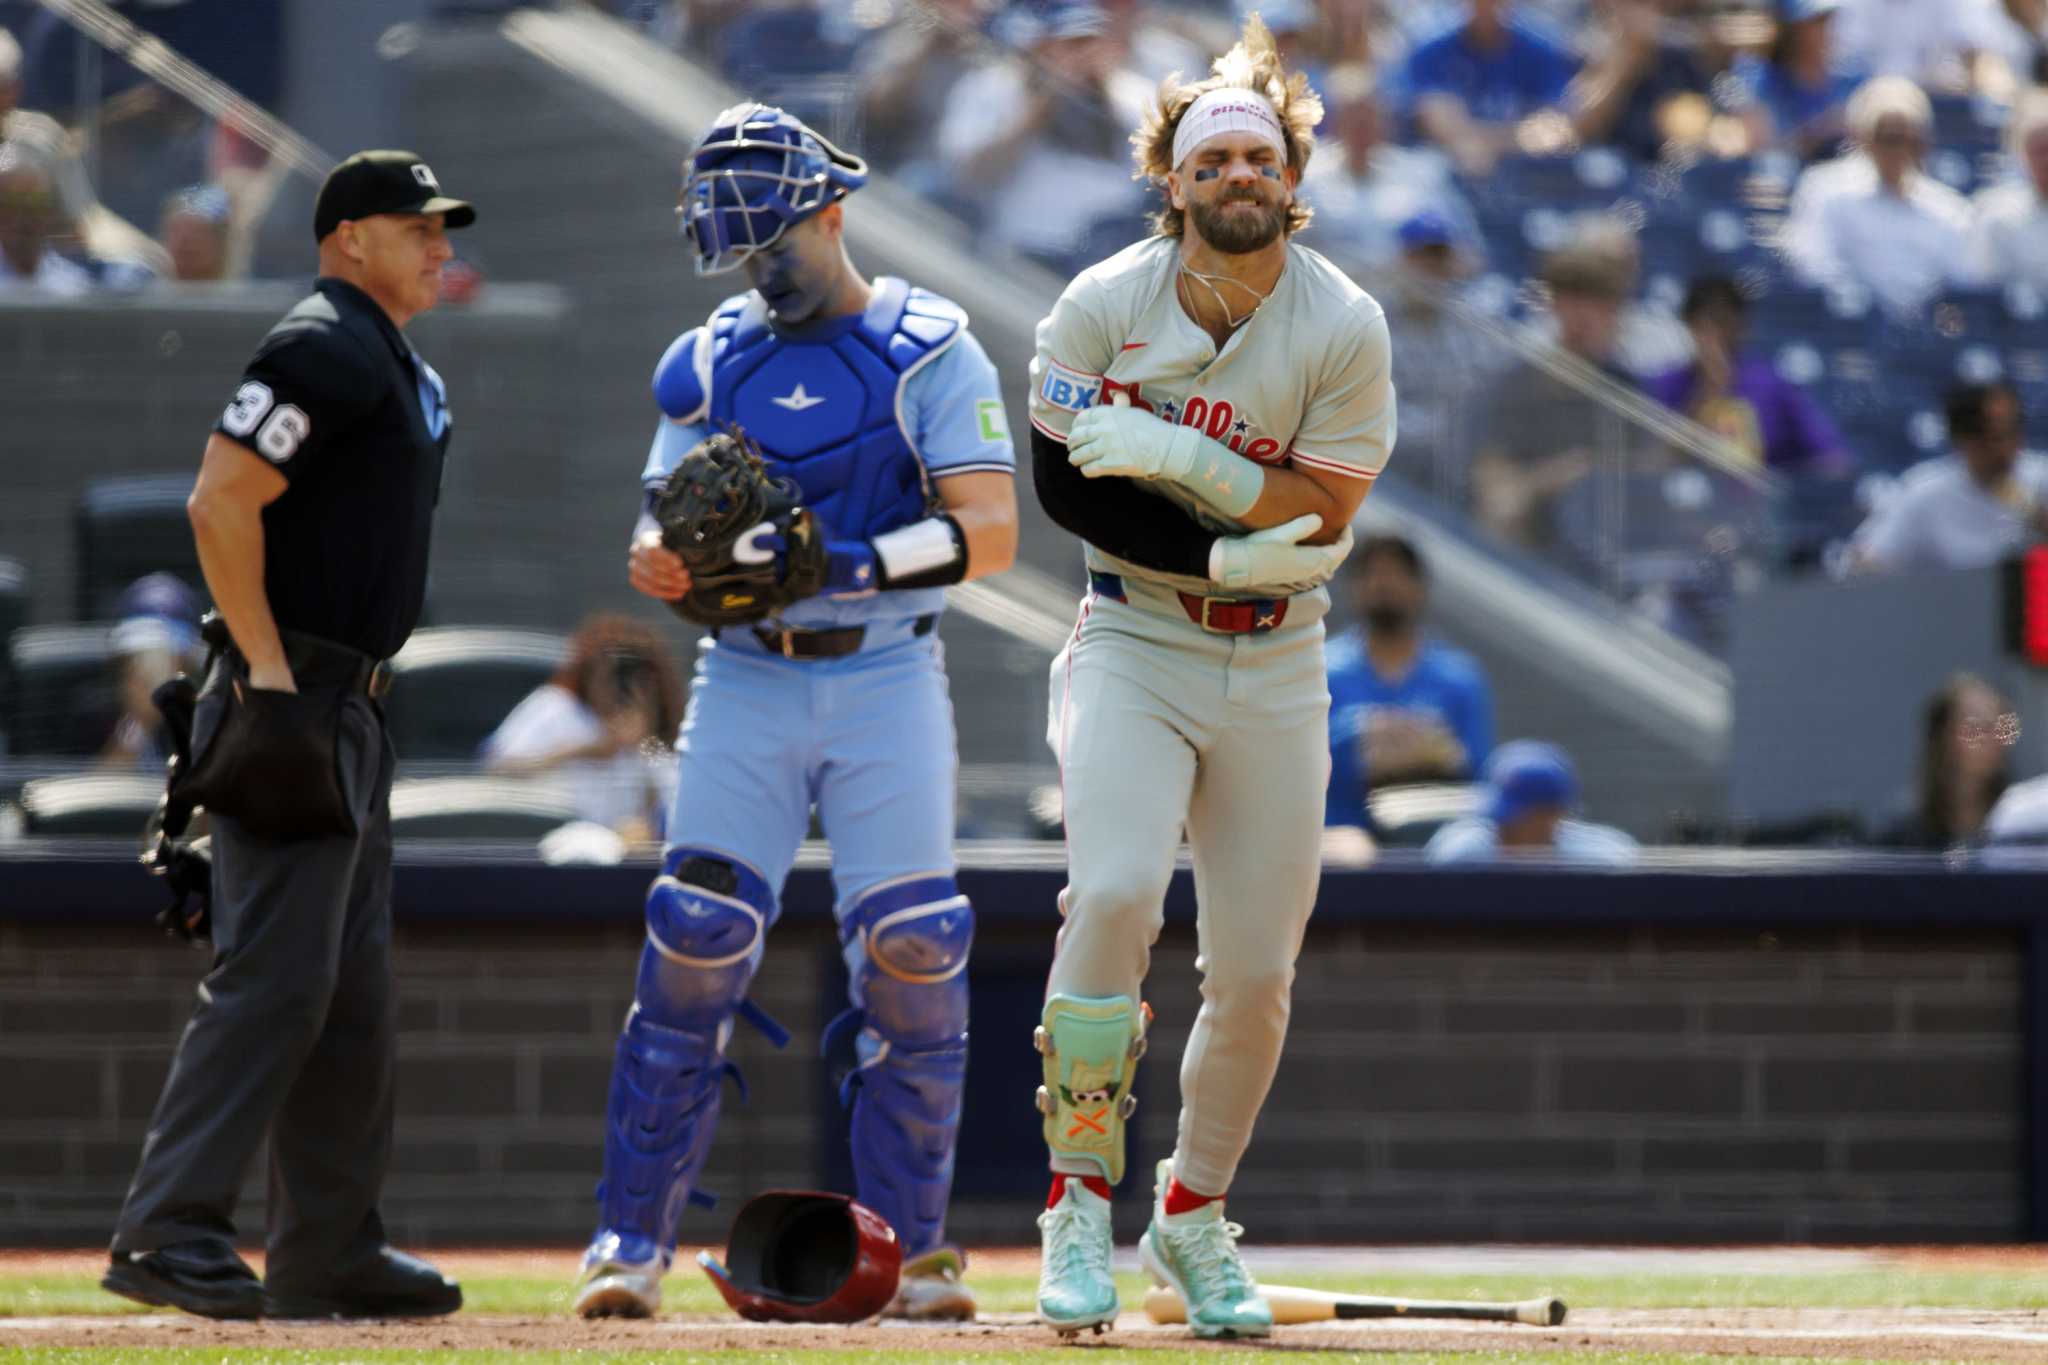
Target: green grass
(687, 1291)
(241, 1355)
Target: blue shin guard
(906, 946)
(707, 919)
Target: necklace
(1210, 282)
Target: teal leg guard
(1091, 1048)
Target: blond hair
(1254, 65)
(1883, 97)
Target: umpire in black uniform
(312, 512)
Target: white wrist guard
(925, 554)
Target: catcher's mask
(807, 1256)
(757, 172)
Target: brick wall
(1439, 1083)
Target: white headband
(1227, 109)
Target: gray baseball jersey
(1306, 382)
(1161, 726)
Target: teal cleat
(1195, 1255)
(1075, 1288)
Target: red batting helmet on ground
(807, 1256)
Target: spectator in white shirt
(2009, 221)
(1967, 510)
(1365, 187)
(29, 219)
(1530, 793)
(1043, 142)
(41, 137)
(1950, 45)
(1872, 218)
(601, 727)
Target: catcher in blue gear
(821, 687)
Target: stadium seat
(1968, 123)
(1895, 430)
(1595, 178)
(128, 527)
(477, 808)
(454, 684)
(1406, 816)
(62, 689)
(1812, 514)
(788, 56)
(1670, 253)
(109, 804)
(1730, 181)
(1828, 318)
(13, 616)
(1970, 315)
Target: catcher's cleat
(609, 1286)
(931, 1289)
(1195, 1254)
(1091, 1048)
(1075, 1288)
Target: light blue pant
(867, 738)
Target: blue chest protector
(826, 406)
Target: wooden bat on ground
(1293, 1305)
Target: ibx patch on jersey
(1069, 390)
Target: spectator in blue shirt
(1794, 97)
(1644, 87)
(1402, 708)
(1474, 88)
(1531, 792)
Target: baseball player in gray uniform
(1208, 409)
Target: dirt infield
(1920, 1334)
(1928, 1334)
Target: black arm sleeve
(1116, 516)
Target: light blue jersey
(952, 412)
(1476, 839)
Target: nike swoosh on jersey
(1134, 345)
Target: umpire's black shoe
(390, 1284)
(204, 1277)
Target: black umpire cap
(370, 183)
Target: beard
(1238, 234)
(1388, 620)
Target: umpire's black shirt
(345, 409)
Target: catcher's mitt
(719, 495)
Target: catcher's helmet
(755, 173)
(807, 1256)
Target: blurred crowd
(1754, 213)
(1414, 762)
(114, 184)
(1818, 229)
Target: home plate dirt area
(1978, 1303)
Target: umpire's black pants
(295, 1030)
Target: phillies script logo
(1218, 421)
